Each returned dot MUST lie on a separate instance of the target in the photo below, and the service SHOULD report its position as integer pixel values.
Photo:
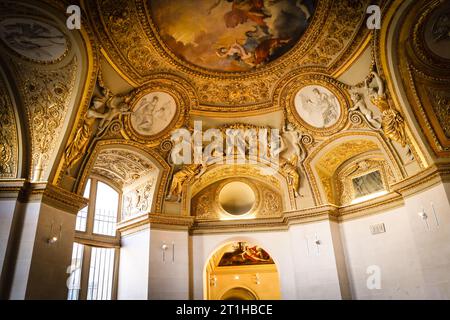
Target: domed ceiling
(235, 56)
(231, 35)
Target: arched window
(93, 271)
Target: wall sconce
(54, 237)
(317, 242)
(422, 214)
(164, 248)
(236, 277)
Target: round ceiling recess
(237, 198)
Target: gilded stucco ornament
(133, 41)
(180, 179)
(424, 69)
(292, 153)
(46, 94)
(8, 135)
(392, 123)
(122, 166)
(205, 203)
(104, 108)
(358, 167)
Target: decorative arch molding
(422, 78)
(12, 148)
(241, 292)
(373, 138)
(357, 166)
(270, 247)
(150, 155)
(217, 172)
(46, 87)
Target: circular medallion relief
(152, 113)
(34, 40)
(437, 31)
(237, 198)
(231, 35)
(317, 106)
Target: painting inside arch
(231, 35)
(243, 253)
(33, 39)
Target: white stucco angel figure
(116, 106)
(360, 104)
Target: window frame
(90, 239)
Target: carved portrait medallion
(153, 113)
(317, 106)
(33, 40)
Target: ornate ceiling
(347, 100)
(233, 54)
(123, 167)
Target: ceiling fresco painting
(231, 35)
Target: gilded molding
(132, 44)
(9, 140)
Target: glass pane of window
(73, 283)
(82, 214)
(106, 207)
(101, 274)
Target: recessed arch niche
(241, 270)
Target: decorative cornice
(154, 221)
(11, 188)
(53, 196)
(374, 206)
(428, 178)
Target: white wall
(316, 273)
(25, 251)
(414, 260)
(134, 266)
(169, 279)
(7, 209)
(41, 268)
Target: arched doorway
(241, 271)
(239, 294)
